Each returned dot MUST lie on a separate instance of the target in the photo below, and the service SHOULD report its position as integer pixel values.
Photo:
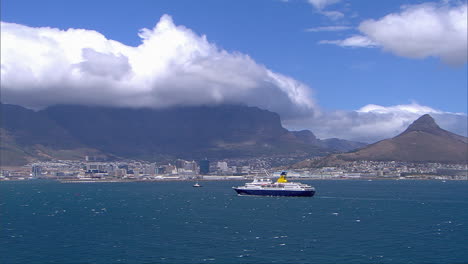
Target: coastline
(228, 178)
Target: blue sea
(347, 221)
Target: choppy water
(172, 222)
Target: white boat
(197, 185)
(282, 187)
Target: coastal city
(233, 132)
(94, 170)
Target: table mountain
(223, 131)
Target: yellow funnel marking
(282, 179)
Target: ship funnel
(282, 178)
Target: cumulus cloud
(372, 123)
(172, 66)
(418, 31)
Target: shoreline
(227, 179)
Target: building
(191, 166)
(36, 171)
(222, 166)
(150, 169)
(95, 167)
(180, 164)
(159, 170)
(170, 169)
(204, 166)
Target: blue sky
(289, 38)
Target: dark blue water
(172, 222)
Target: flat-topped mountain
(223, 131)
(422, 141)
(191, 132)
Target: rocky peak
(425, 123)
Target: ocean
(347, 221)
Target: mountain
(333, 144)
(26, 135)
(306, 136)
(422, 141)
(342, 145)
(223, 131)
(187, 132)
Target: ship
(282, 187)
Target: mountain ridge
(224, 131)
(422, 141)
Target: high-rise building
(191, 166)
(180, 164)
(36, 171)
(150, 168)
(204, 166)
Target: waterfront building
(170, 169)
(160, 170)
(222, 166)
(95, 167)
(150, 169)
(180, 163)
(191, 166)
(36, 171)
(204, 166)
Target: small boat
(197, 185)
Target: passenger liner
(282, 187)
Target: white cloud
(172, 66)
(413, 108)
(354, 41)
(419, 31)
(374, 122)
(333, 15)
(328, 28)
(321, 4)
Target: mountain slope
(26, 135)
(422, 141)
(342, 145)
(332, 144)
